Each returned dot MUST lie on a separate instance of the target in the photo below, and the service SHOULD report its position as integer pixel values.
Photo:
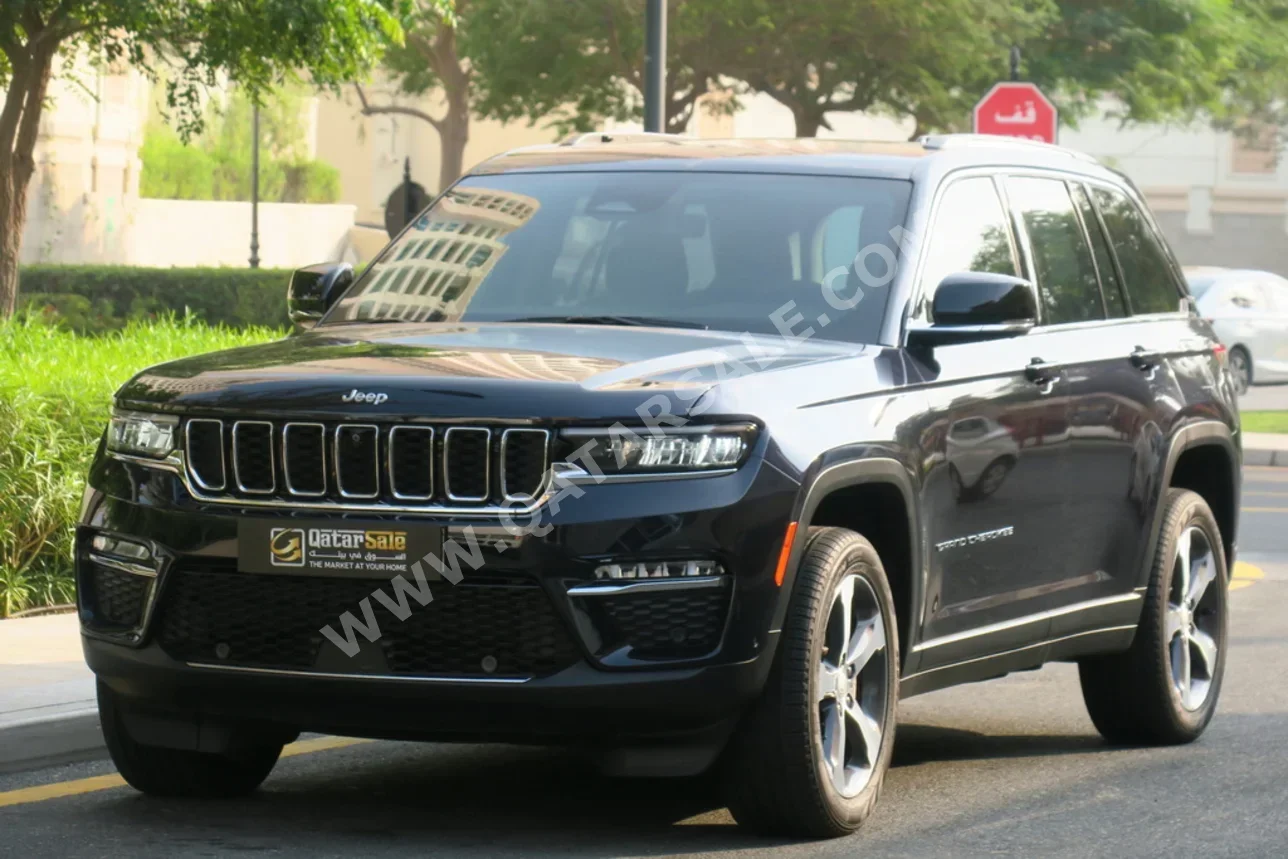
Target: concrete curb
(51, 740)
(1266, 457)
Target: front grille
(357, 460)
(304, 458)
(677, 624)
(210, 613)
(113, 600)
(401, 465)
(253, 460)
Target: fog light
(659, 570)
(119, 548)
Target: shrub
(96, 298)
(55, 390)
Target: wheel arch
(876, 498)
(1204, 458)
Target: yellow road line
(1263, 509)
(1266, 492)
(1243, 575)
(58, 790)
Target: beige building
(84, 204)
(81, 199)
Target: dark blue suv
(690, 454)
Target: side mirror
(314, 289)
(972, 306)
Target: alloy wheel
(852, 686)
(1193, 619)
(1241, 371)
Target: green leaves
(574, 63)
(55, 390)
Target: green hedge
(55, 390)
(97, 298)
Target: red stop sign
(1017, 110)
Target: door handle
(1041, 373)
(1143, 359)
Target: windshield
(715, 250)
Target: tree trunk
(807, 123)
(454, 128)
(19, 128)
(453, 134)
(11, 224)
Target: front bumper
(598, 692)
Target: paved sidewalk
(47, 708)
(1265, 448)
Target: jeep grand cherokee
(790, 430)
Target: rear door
(1088, 329)
(1118, 463)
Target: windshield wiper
(635, 321)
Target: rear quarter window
(1148, 279)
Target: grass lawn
(1265, 421)
(55, 394)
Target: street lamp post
(254, 189)
(655, 67)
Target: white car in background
(1249, 312)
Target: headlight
(142, 435)
(642, 451)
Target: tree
(889, 56)
(574, 63)
(256, 43)
(1159, 61)
(428, 57)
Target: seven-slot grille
(366, 463)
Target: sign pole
(254, 189)
(655, 66)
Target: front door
(994, 454)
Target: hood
(494, 370)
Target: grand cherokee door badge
(973, 539)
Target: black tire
(993, 477)
(1241, 369)
(159, 771)
(959, 488)
(777, 781)
(1132, 697)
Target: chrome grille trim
(223, 460)
(393, 473)
(272, 458)
(375, 462)
(522, 497)
(286, 458)
(487, 464)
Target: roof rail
(586, 138)
(992, 141)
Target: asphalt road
(1265, 398)
(1009, 767)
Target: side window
(1147, 274)
(970, 233)
(1115, 303)
(1061, 256)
